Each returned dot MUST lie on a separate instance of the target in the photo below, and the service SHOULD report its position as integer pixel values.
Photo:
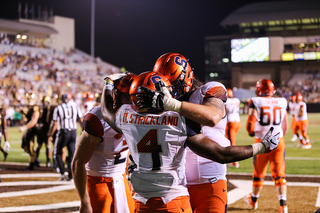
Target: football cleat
(283, 209)
(248, 200)
(306, 146)
(233, 164)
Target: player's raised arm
(115, 93)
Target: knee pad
(279, 181)
(258, 182)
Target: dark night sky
(134, 33)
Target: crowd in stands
(45, 72)
(307, 83)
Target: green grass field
(298, 161)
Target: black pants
(65, 138)
(27, 137)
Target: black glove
(151, 99)
(132, 165)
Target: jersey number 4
(267, 115)
(149, 144)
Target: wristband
(258, 148)
(173, 105)
(108, 83)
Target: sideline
(244, 187)
(41, 207)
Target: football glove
(6, 146)
(160, 99)
(131, 167)
(23, 128)
(268, 143)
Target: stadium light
(225, 60)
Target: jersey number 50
(267, 115)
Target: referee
(65, 117)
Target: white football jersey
(233, 110)
(271, 112)
(304, 115)
(202, 170)
(110, 156)
(292, 108)
(156, 143)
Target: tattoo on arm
(216, 103)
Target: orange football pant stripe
(155, 204)
(232, 130)
(209, 197)
(101, 194)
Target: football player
(4, 132)
(203, 175)
(99, 163)
(157, 141)
(43, 128)
(302, 122)
(266, 111)
(291, 108)
(30, 130)
(233, 120)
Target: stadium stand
(47, 72)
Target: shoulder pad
(217, 92)
(93, 125)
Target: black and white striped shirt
(67, 115)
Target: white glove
(115, 76)
(23, 128)
(268, 143)
(6, 146)
(169, 103)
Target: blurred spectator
(9, 116)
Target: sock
(283, 199)
(254, 197)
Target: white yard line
(244, 187)
(41, 207)
(30, 175)
(301, 158)
(30, 183)
(38, 191)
